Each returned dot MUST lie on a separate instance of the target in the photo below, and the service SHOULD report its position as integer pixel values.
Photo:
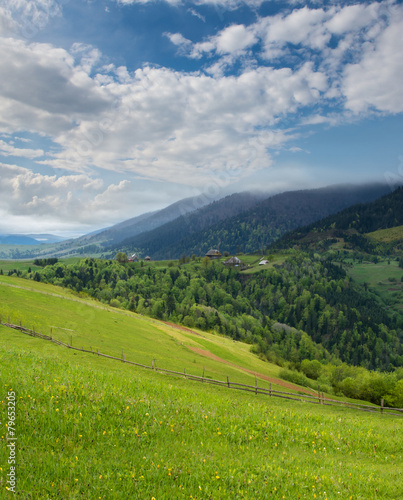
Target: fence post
(152, 364)
(319, 394)
(98, 351)
(123, 356)
(51, 333)
(71, 340)
(382, 405)
(323, 398)
(270, 389)
(227, 380)
(203, 375)
(185, 373)
(255, 384)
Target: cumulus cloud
(170, 125)
(300, 34)
(75, 199)
(376, 80)
(59, 92)
(182, 127)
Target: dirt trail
(276, 381)
(208, 354)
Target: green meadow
(384, 279)
(388, 235)
(88, 324)
(91, 427)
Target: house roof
(213, 252)
(233, 261)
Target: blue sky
(112, 108)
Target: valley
(318, 311)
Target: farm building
(148, 258)
(133, 258)
(214, 254)
(234, 262)
(263, 262)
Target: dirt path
(208, 354)
(183, 328)
(276, 381)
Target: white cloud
(25, 18)
(376, 80)
(197, 14)
(235, 38)
(227, 4)
(7, 149)
(59, 92)
(186, 128)
(75, 199)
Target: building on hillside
(133, 258)
(235, 262)
(263, 262)
(214, 254)
(148, 258)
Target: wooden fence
(319, 399)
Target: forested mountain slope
(156, 241)
(326, 313)
(352, 224)
(250, 230)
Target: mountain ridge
(253, 229)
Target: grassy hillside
(384, 278)
(388, 235)
(87, 323)
(94, 428)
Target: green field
(388, 235)
(384, 279)
(93, 428)
(90, 427)
(89, 324)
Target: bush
(311, 369)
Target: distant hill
(46, 238)
(129, 228)
(251, 229)
(359, 225)
(29, 239)
(158, 242)
(17, 239)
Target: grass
(388, 235)
(92, 428)
(384, 279)
(253, 261)
(19, 265)
(88, 323)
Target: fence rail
(319, 399)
